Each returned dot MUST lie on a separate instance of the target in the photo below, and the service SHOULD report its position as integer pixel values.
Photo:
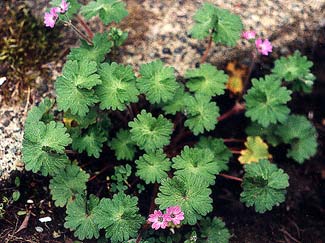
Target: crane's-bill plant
(150, 133)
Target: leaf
(267, 133)
(90, 140)
(123, 146)
(108, 10)
(150, 133)
(119, 217)
(214, 230)
(191, 194)
(266, 101)
(301, 135)
(157, 82)
(71, 121)
(69, 182)
(43, 147)
(40, 112)
(118, 87)
(178, 102)
(153, 167)
(255, 150)
(221, 153)
(73, 87)
(80, 217)
(207, 80)
(235, 82)
(96, 52)
(263, 186)
(117, 36)
(202, 114)
(295, 70)
(198, 163)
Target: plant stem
(82, 35)
(231, 177)
(234, 151)
(207, 50)
(85, 26)
(233, 140)
(237, 108)
(249, 73)
(107, 167)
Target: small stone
(45, 219)
(166, 50)
(30, 201)
(39, 229)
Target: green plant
(149, 133)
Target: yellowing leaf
(236, 75)
(255, 150)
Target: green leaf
(123, 146)
(153, 166)
(198, 163)
(202, 114)
(43, 147)
(207, 80)
(191, 194)
(80, 217)
(178, 102)
(117, 36)
(73, 87)
(119, 217)
(40, 112)
(229, 28)
(150, 133)
(214, 230)
(71, 120)
(15, 196)
(267, 133)
(221, 152)
(295, 70)
(266, 101)
(90, 140)
(108, 10)
(255, 150)
(301, 135)
(263, 186)
(74, 7)
(95, 52)
(118, 87)
(157, 82)
(69, 182)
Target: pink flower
(263, 47)
(64, 6)
(248, 35)
(51, 17)
(158, 220)
(174, 214)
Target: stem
(82, 35)
(234, 151)
(233, 140)
(207, 50)
(249, 73)
(237, 108)
(129, 107)
(85, 26)
(231, 177)
(107, 167)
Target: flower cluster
(173, 215)
(263, 47)
(51, 17)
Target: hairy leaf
(214, 230)
(123, 146)
(40, 112)
(267, 133)
(255, 150)
(178, 102)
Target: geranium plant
(150, 133)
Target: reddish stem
(207, 50)
(237, 108)
(85, 26)
(231, 177)
(235, 151)
(107, 167)
(233, 140)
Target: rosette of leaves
(157, 82)
(255, 150)
(80, 217)
(68, 183)
(267, 133)
(301, 135)
(108, 10)
(119, 217)
(96, 52)
(266, 101)
(295, 70)
(198, 163)
(150, 133)
(153, 166)
(191, 194)
(178, 103)
(44, 146)
(201, 114)
(220, 151)
(213, 230)
(224, 26)
(264, 186)
(207, 80)
(123, 145)
(74, 87)
(90, 140)
(118, 88)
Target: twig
(289, 235)
(231, 177)
(24, 224)
(85, 26)
(237, 108)
(207, 50)
(27, 102)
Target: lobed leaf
(214, 230)
(255, 150)
(123, 146)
